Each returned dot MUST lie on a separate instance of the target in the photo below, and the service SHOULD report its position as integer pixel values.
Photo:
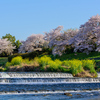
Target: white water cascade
(42, 77)
(4, 75)
(98, 74)
(46, 84)
(34, 75)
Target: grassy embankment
(79, 64)
(3, 61)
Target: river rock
(36, 91)
(78, 94)
(5, 91)
(68, 94)
(18, 91)
(44, 95)
(90, 89)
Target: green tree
(17, 44)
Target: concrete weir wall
(43, 77)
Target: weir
(43, 78)
(34, 75)
(98, 74)
(4, 75)
(47, 80)
(42, 83)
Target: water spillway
(47, 80)
(42, 84)
(99, 74)
(44, 78)
(34, 75)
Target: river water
(47, 86)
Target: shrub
(44, 60)
(89, 65)
(48, 64)
(58, 62)
(66, 63)
(62, 69)
(26, 61)
(53, 66)
(8, 64)
(16, 61)
(76, 66)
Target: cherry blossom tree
(6, 47)
(32, 43)
(53, 37)
(88, 37)
(12, 39)
(58, 40)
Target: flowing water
(47, 86)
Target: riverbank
(79, 64)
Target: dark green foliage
(62, 69)
(17, 44)
(31, 55)
(3, 60)
(3, 54)
(24, 55)
(69, 49)
(47, 51)
(80, 56)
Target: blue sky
(21, 18)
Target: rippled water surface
(50, 87)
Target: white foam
(47, 92)
(35, 75)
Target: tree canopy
(10, 38)
(6, 47)
(13, 41)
